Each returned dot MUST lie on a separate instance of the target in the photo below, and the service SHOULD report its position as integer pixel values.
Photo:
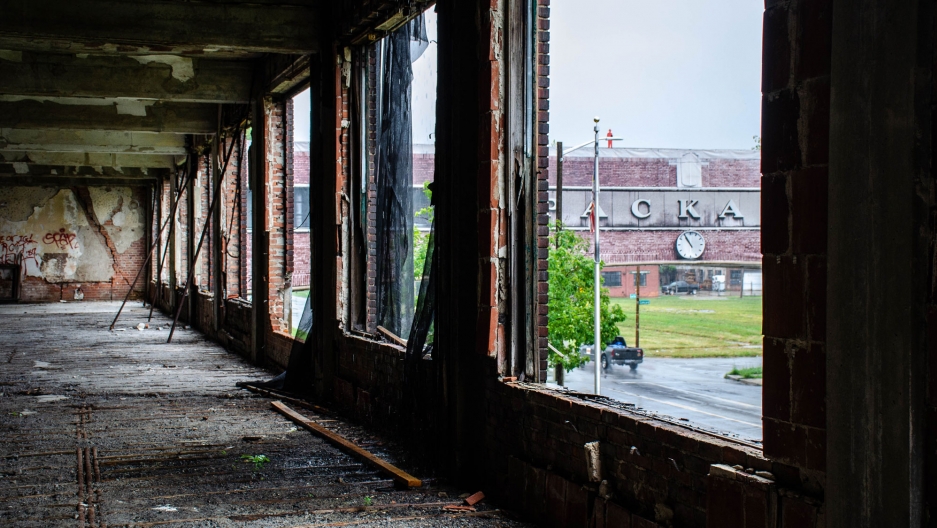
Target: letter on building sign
(636, 208)
(731, 209)
(687, 210)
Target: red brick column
(543, 176)
(795, 139)
(278, 218)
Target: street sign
(634, 296)
(644, 301)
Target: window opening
(402, 115)
(679, 204)
(298, 173)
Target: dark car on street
(616, 353)
(680, 287)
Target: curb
(740, 379)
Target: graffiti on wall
(62, 240)
(17, 248)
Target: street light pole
(597, 343)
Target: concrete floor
(105, 429)
(691, 390)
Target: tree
(571, 300)
(421, 239)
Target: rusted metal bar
(159, 268)
(149, 256)
(201, 240)
(401, 477)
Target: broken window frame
(365, 83)
(522, 357)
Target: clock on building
(690, 245)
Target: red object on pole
(609, 135)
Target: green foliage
(571, 300)
(421, 239)
(257, 460)
(368, 500)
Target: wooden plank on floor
(401, 477)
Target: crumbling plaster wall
(72, 237)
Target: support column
(880, 153)
(217, 256)
(190, 239)
(173, 189)
(259, 271)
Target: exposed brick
(780, 142)
(808, 386)
(776, 402)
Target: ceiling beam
(150, 77)
(166, 117)
(167, 26)
(70, 181)
(25, 161)
(9, 170)
(91, 141)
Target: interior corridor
(139, 433)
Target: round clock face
(690, 245)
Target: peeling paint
(116, 204)
(182, 67)
(132, 107)
(51, 230)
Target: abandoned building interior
(146, 153)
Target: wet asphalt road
(694, 389)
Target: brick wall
(86, 215)
(619, 247)
(795, 153)
(301, 262)
(424, 164)
(656, 472)
(543, 176)
(652, 281)
(279, 218)
(300, 164)
(372, 190)
(655, 172)
(795, 138)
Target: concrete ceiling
(107, 88)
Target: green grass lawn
(747, 373)
(696, 326)
(301, 293)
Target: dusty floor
(117, 428)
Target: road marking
(688, 408)
(703, 394)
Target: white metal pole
(597, 342)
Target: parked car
(616, 353)
(680, 287)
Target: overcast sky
(664, 73)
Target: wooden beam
(110, 114)
(153, 77)
(70, 181)
(91, 141)
(401, 477)
(168, 26)
(24, 161)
